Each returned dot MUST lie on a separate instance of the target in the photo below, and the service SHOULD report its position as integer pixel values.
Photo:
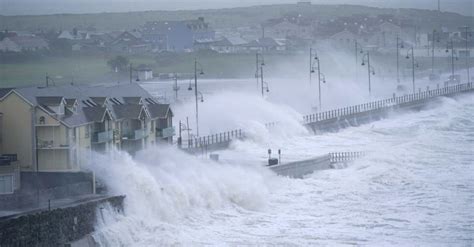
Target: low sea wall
(298, 169)
(55, 227)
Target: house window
(42, 120)
(6, 184)
(87, 131)
(74, 134)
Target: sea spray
(234, 110)
(165, 187)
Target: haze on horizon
(37, 7)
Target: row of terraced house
(53, 131)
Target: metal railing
(101, 137)
(6, 159)
(219, 138)
(385, 103)
(165, 133)
(136, 134)
(50, 144)
(345, 156)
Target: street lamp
(259, 63)
(316, 65)
(468, 53)
(131, 73)
(176, 87)
(358, 49)
(435, 36)
(265, 87)
(370, 69)
(197, 69)
(413, 64)
(399, 45)
(450, 46)
(48, 78)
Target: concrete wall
(56, 227)
(298, 169)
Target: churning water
(416, 187)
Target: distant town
(160, 48)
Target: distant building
(129, 42)
(23, 43)
(304, 3)
(178, 36)
(145, 73)
(264, 44)
(344, 38)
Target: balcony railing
(7, 159)
(165, 133)
(50, 145)
(135, 134)
(102, 137)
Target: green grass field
(94, 69)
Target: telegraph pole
(468, 53)
(196, 96)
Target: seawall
(55, 227)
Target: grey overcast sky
(35, 7)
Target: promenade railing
(385, 103)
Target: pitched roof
(95, 114)
(4, 91)
(29, 42)
(132, 100)
(159, 110)
(49, 100)
(99, 100)
(71, 102)
(127, 111)
(44, 96)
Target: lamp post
(468, 53)
(412, 66)
(196, 92)
(358, 49)
(175, 87)
(316, 65)
(435, 37)
(399, 45)
(131, 73)
(450, 46)
(265, 87)
(370, 69)
(259, 63)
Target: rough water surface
(415, 188)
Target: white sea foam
(415, 188)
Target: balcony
(165, 133)
(50, 145)
(102, 137)
(7, 159)
(135, 134)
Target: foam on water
(416, 187)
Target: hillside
(219, 18)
